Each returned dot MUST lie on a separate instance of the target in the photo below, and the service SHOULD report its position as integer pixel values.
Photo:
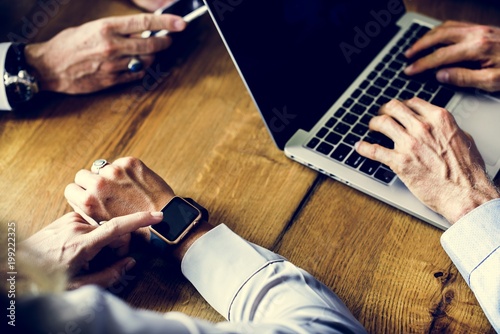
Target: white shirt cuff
(4, 102)
(473, 238)
(213, 264)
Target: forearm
(473, 244)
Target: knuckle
(88, 202)
(384, 120)
(368, 150)
(413, 145)
(109, 80)
(439, 55)
(100, 184)
(483, 30)
(459, 78)
(131, 162)
(492, 81)
(392, 103)
(448, 22)
(111, 227)
(114, 172)
(483, 44)
(105, 27)
(73, 216)
(422, 129)
(75, 228)
(145, 20)
(442, 113)
(114, 276)
(151, 45)
(109, 48)
(414, 100)
(403, 164)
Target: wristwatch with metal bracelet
(20, 83)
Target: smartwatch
(20, 84)
(180, 216)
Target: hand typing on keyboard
(437, 161)
(467, 55)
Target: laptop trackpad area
(479, 115)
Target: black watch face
(18, 92)
(177, 216)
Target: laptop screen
(298, 56)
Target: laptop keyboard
(349, 124)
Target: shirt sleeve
(258, 290)
(473, 244)
(4, 102)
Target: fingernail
(443, 76)
(408, 69)
(356, 145)
(157, 214)
(130, 265)
(179, 24)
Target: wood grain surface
(193, 122)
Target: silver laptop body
(476, 112)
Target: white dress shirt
(256, 290)
(260, 292)
(4, 102)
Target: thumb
(487, 79)
(106, 277)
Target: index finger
(439, 35)
(131, 24)
(116, 227)
(446, 55)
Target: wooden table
(199, 129)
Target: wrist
(180, 250)
(34, 58)
(475, 197)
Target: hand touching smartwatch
(126, 186)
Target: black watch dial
(178, 217)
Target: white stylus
(188, 18)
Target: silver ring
(134, 65)
(97, 165)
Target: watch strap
(15, 60)
(158, 244)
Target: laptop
(318, 71)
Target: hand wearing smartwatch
(126, 186)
